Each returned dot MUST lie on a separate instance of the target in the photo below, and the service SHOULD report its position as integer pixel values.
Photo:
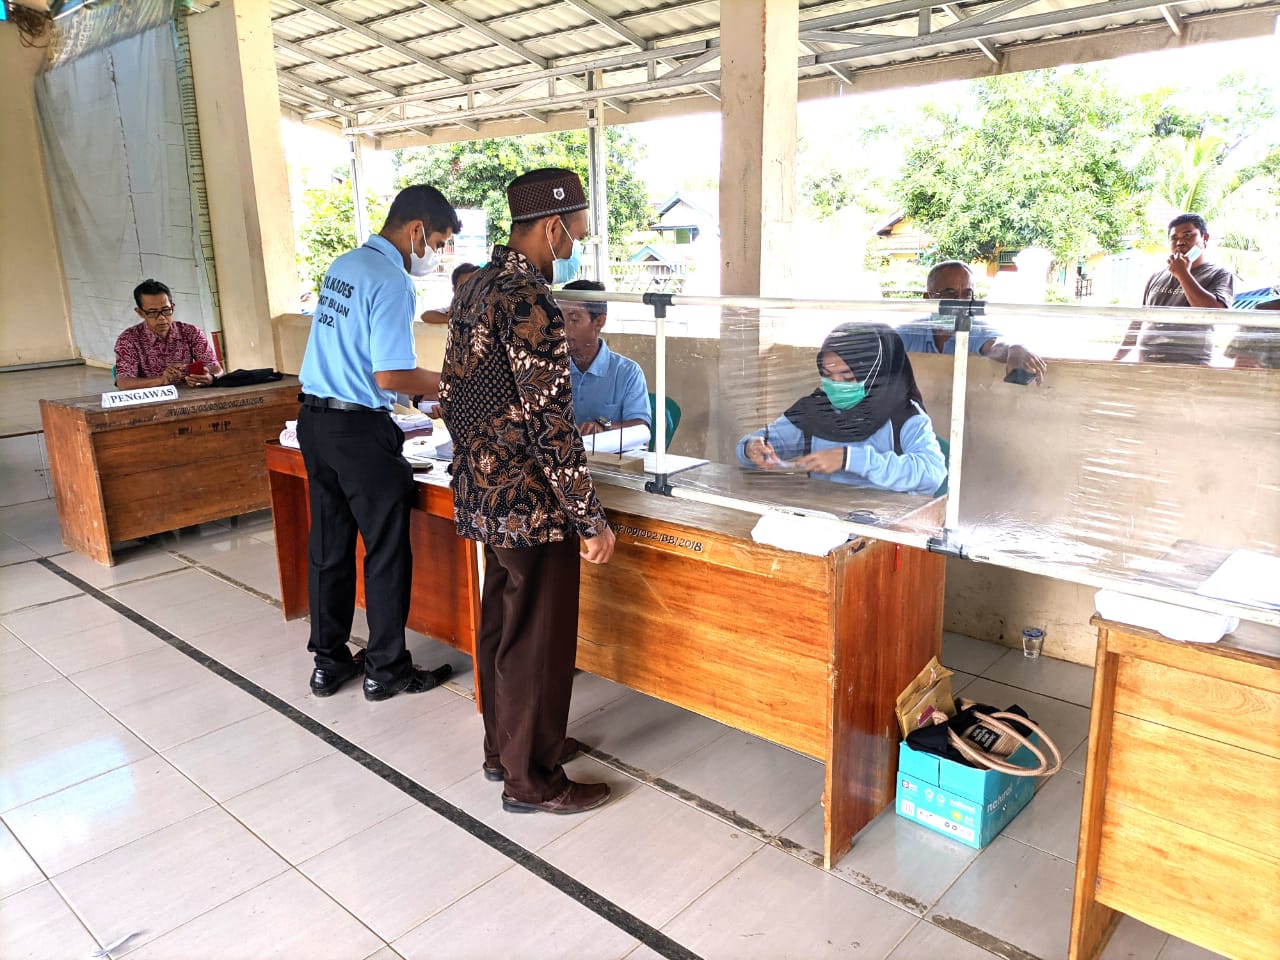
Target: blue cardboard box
(965, 803)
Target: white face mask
(1194, 254)
(425, 265)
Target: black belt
(328, 403)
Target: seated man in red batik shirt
(160, 350)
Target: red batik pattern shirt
(140, 353)
(519, 471)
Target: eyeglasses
(156, 314)
(952, 294)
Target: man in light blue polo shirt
(360, 355)
(953, 280)
(609, 390)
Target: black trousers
(525, 653)
(359, 481)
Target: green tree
(1041, 159)
(330, 230)
(476, 174)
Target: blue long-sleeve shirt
(920, 468)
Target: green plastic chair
(673, 419)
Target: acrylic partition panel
(1135, 475)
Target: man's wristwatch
(605, 423)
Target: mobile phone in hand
(196, 369)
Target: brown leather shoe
(572, 747)
(576, 798)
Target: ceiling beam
(484, 30)
(301, 51)
(1174, 19)
(445, 36)
(616, 27)
(967, 31)
(382, 41)
(298, 93)
(831, 36)
(989, 50)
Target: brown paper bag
(927, 695)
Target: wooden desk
(446, 588)
(1181, 821)
(133, 471)
(809, 652)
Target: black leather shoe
(325, 683)
(572, 747)
(577, 798)
(415, 681)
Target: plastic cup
(1032, 642)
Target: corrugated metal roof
(384, 67)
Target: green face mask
(843, 395)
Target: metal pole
(357, 191)
(959, 382)
(597, 183)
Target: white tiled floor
(141, 793)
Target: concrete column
(238, 104)
(35, 312)
(759, 45)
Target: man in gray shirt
(1189, 280)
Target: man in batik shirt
(521, 488)
(161, 350)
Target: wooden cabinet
(133, 471)
(1181, 821)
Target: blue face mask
(843, 395)
(562, 271)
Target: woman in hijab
(865, 425)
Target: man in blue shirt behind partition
(953, 280)
(609, 390)
(360, 354)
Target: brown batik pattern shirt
(519, 471)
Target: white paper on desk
(289, 435)
(412, 422)
(614, 441)
(435, 446)
(1246, 577)
(800, 531)
(670, 465)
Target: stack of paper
(615, 441)
(412, 422)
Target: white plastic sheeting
(1139, 477)
(117, 167)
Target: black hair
(460, 271)
(597, 308)
(149, 288)
(1194, 219)
(425, 203)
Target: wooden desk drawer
(1222, 710)
(1211, 787)
(1194, 886)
